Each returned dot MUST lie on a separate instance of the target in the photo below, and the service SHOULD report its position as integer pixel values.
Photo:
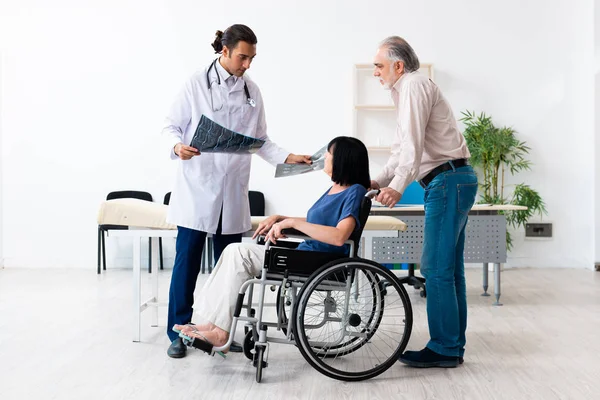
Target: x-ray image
(211, 137)
(318, 163)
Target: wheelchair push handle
(373, 193)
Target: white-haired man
(428, 147)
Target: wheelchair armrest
(289, 244)
(296, 234)
(289, 232)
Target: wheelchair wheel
(285, 310)
(259, 363)
(353, 343)
(248, 345)
(343, 326)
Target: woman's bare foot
(217, 336)
(191, 327)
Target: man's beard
(389, 84)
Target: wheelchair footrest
(202, 345)
(197, 344)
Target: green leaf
(494, 150)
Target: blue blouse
(329, 210)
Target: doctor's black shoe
(427, 358)
(177, 349)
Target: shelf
(373, 107)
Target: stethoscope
(249, 100)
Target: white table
(138, 305)
(377, 226)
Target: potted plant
(494, 151)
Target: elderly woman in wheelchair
(350, 318)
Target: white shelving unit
(374, 116)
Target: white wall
(597, 130)
(1, 165)
(86, 86)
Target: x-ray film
(318, 163)
(211, 137)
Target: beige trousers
(239, 262)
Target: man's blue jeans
(188, 256)
(448, 199)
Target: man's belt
(447, 166)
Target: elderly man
(428, 147)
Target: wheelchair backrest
(363, 215)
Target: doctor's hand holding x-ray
(210, 190)
(187, 152)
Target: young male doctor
(210, 194)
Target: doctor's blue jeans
(448, 199)
(188, 256)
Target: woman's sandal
(234, 348)
(201, 344)
(194, 329)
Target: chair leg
(160, 253)
(103, 251)
(99, 248)
(415, 281)
(149, 255)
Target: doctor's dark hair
(232, 36)
(350, 161)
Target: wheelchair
(350, 318)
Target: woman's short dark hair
(350, 161)
(232, 36)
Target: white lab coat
(210, 181)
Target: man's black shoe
(177, 349)
(236, 347)
(427, 358)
